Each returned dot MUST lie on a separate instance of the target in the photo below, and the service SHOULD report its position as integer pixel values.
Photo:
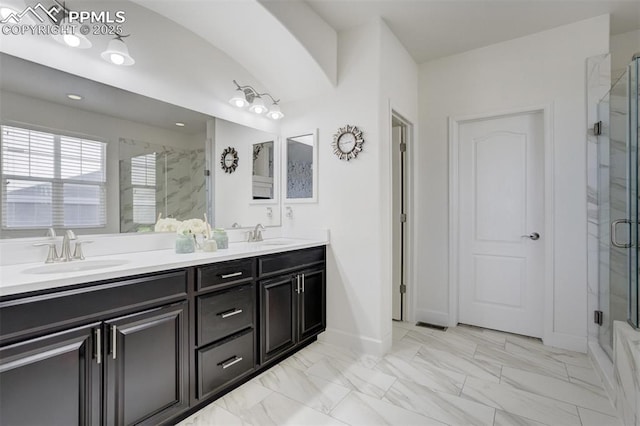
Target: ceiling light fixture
(179, 124)
(117, 52)
(74, 97)
(68, 34)
(253, 98)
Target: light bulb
(117, 58)
(258, 110)
(71, 40)
(239, 103)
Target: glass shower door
(619, 230)
(634, 159)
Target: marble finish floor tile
(522, 361)
(311, 391)
(449, 409)
(507, 419)
(463, 376)
(360, 409)
(522, 403)
(458, 363)
(353, 376)
(595, 418)
(432, 378)
(561, 390)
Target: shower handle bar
(614, 239)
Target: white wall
(233, 191)
(546, 68)
(16, 109)
(623, 47)
(353, 196)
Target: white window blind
(143, 180)
(51, 180)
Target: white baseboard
(566, 341)
(433, 317)
(362, 344)
(604, 368)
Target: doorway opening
(400, 143)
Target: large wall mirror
(113, 161)
(301, 168)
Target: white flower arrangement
(167, 225)
(192, 226)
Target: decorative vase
(222, 240)
(185, 243)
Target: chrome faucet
(256, 234)
(66, 246)
(65, 251)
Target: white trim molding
(549, 335)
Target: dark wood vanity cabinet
(225, 325)
(146, 366)
(122, 359)
(151, 349)
(51, 380)
(293, 304)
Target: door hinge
(403, 217)
(403, 288)
(207, 172)
(597, 317)
(403, 147)
(597, 128)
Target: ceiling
(431, 29)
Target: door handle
(114, 340)
(614, 239)
(297, 283)
(533, 236)
(231, 361)
(303, 283)
(98, 345)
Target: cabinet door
(277, 316)
(313, 300)
(51, 380)
(146, 366)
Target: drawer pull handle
(235, 274)
(231, 361)
(230, 313)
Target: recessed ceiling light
(74, 97)
(180, 124)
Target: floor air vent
(427, 325)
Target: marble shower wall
(180, 182)
(627, 373)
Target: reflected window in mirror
(51, 180)
(301, 168)
(263, 174)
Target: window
(143, 180)
(52, 180)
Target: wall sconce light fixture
(252, 98)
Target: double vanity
(149, 337)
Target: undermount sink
(75, 266)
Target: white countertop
(14, 279)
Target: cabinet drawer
(234, 271)
(283, 262)
(223, 313)
(36, 314)
(221, 364)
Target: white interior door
(501, 199)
